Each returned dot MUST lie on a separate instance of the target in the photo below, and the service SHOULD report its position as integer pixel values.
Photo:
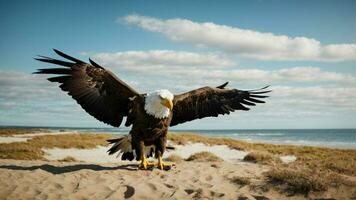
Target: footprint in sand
(168, 185)
(201, 193)
(152, 186)
(130, 191)
(189, 191)
(209, 178)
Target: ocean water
(335, 138)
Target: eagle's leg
(144, 161)
(160, 149)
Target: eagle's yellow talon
(144, 163)
(164, 166)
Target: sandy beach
(82, 172)
(56, 180)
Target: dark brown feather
(97, 90)
(211, 102)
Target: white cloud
(21, 92)
(211, 68)
(22, 86)
(286, 75)
(255, 77)
(147, 60)
(298, 74)
(315, 102)
(247, 43)
(32, 99)
(330, 97)
(27, 99)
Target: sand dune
(92, 174)
(188, 180)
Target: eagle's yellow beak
(167, 103)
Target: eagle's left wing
(210, 102)
(97, 90)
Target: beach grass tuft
(239, 180)
(304, 180)
(20, 151)
(204, 156)
(174, 158)
(79, 141)
(261, 157)
(68, 159)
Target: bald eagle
(109, 100)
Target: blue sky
(305, 49)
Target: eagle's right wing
(211, 102)
(97, 90)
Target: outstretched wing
(210, 102)
(96, 89)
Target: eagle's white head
(159, 103)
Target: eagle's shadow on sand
(70, 168)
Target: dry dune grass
(80, 141)
(335, 167)
(20, 151)
(18, 131)
(300, 181)
(304, 180)
(184, 138)
(174, 158)
(337, 160)
(204, 156)
(68, 159)
(240, 180)
(262, 157)
(32, 149)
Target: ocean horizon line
(171, 129)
